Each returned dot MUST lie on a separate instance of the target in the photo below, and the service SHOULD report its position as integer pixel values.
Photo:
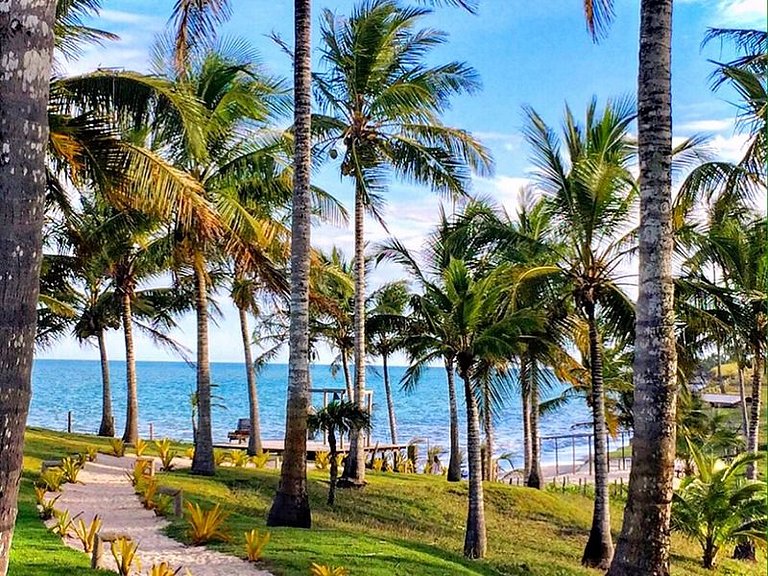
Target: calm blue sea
(59, 386)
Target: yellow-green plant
(163, 569)
(322, 460)
(190, 452)
(82, 459)
(220, 457)
(340, 459)
(255, 542)
(239, 458)
(138, 476)
(124, 553)
(46, 508)
(139, 447)
(63, 524)
(166, 454)
(321, 570)
(378, 464)
(40, 494)
(87, 533)
(118, 447)
(149, 493)
(51, 479)
(70, 468)
(91, 452)
(206, 525)
(162, 505)
(260, 460)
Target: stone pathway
(106, 491)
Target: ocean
(60, 386)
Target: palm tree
(716, 507)
(385, 325)
(382, 103)
(591, 193)
(22, 194)
(291, 504)
(653, 446)
(341, 417)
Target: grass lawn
(399, 525)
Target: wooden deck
(278, 447)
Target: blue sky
(527, 53)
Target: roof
(722, 400)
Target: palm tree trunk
(347, 379)
(599, 549)
(643, 546)
(535, 477)
(475, 537)
(334, 467)
(131, 433)
(26, 38)
(488, 430)
(390, 400)
(254, 435)
(720, 381)
(454, 462)
(754, 417)
(291, 504)
(354, 465)
(107, 426)
(526, 402)
(203, 462)
(743, 404)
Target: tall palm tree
(385, 325)
(291, 504)
(24, 133)
(646, 551)
(337, 417)
(590, 193)
(382, 104)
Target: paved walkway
(106, 491)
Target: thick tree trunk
(203, 462)
(754, 417)
(535, 476)
(390, 400)
(488, 471)
(643, 546)
(354, 465)
(525, 394)
(291, 504)
(131, 433)
(599, 549)
(334, 467)
(26, 47)
(254, 436)
(454, 462)
(107, 426)
(475, 537)
(347, 379)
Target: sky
(527, 53)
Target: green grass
(397, 526)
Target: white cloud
(706, 126)
(742, 12)
(730, 148)
(131, 18)
(509, 141)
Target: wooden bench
(46, 464)
(98, 546)
(242, 432)
(147, 465)
(178, 499)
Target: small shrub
(322, 460)
(70, 469)
(318, 570)
(124, 553)
(140, 447)
(260, 460)
(163, 504)
(149, 494)
(255, 542)
(166, 454)
(87, 534)
(219, 457)
(82, 459)
(47, 508)
(91, 452)
(64, 523)
(239, 458)
(206, 525)
(39, 494)
(377, 464)
(51, 479)
(138, 476)
(163, 569)
(340, 459)
(190, 452)
(118, 447)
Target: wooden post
(557, 462)
(573, 454)
(98, 552)
(151, 431)
(69, 422)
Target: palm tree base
(597, 554)
(745, 551)
(351, 483)
(290, 511)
